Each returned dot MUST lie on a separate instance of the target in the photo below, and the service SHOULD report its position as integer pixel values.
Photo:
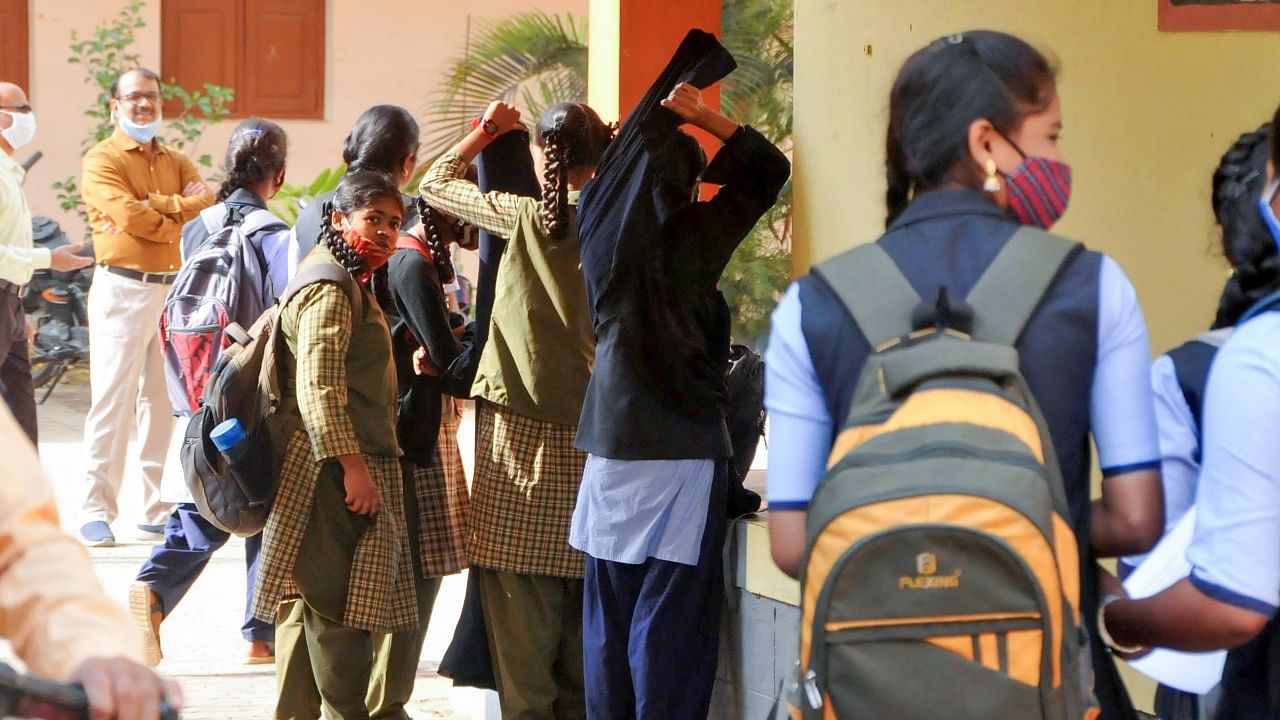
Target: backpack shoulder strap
(1192, 361)
(324, 272)
(259, 219)
(409, 242)
(1012, 287)
(873, 290)
(213, 216)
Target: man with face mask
(18, 259)
(138, 193)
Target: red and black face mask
(1039, 190)
(374, 254)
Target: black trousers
(651, 632)
(15, 366)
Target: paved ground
(202, 643)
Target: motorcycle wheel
(43, 371)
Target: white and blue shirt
(800, 423)
(1235, 553)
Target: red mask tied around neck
(374, 254)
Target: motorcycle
(56, 308)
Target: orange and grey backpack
(941, 575)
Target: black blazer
(652, 258)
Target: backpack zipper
(940, 449)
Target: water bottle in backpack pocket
(248, 462)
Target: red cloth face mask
(374, 254)
(1039, 191)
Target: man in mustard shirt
(139, 193)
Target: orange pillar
(630, 41)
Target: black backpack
(245, 385)
(744, 416)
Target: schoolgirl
(336, 534)
(426, 339)
(1233, 591)
(532, 375)
(972, 154)
(255, 167)
(1178, 377)
(652, 512)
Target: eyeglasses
(23, 108)
(137, 98)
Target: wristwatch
(1106, 636)
(486, 126)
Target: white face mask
(22, 131)
(141, 133)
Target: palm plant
(532, 60)
(535, 60)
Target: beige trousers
(127, 386)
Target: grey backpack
(223, 281)
(245, 385)
(941, 575)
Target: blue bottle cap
(227, 434)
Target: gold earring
(992, 183)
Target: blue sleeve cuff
(785, 505)
(1231, 597)
(1131, 467)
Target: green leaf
(533, 59)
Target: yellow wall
(1147, 116)
(390, 51)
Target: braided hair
(431, 222)
(1247, 244)
(940, 91)
(255, 153)
(357, 190)
(571, 136)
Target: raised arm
(750, 170)
(445, 188)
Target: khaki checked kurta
(522, 497)
(532, 377)
(441, 489)
(345, 392)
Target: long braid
(1246, 243)
(555, 191)
(332, 239)
(435, 242)
(573, 138)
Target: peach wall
(390, 51)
